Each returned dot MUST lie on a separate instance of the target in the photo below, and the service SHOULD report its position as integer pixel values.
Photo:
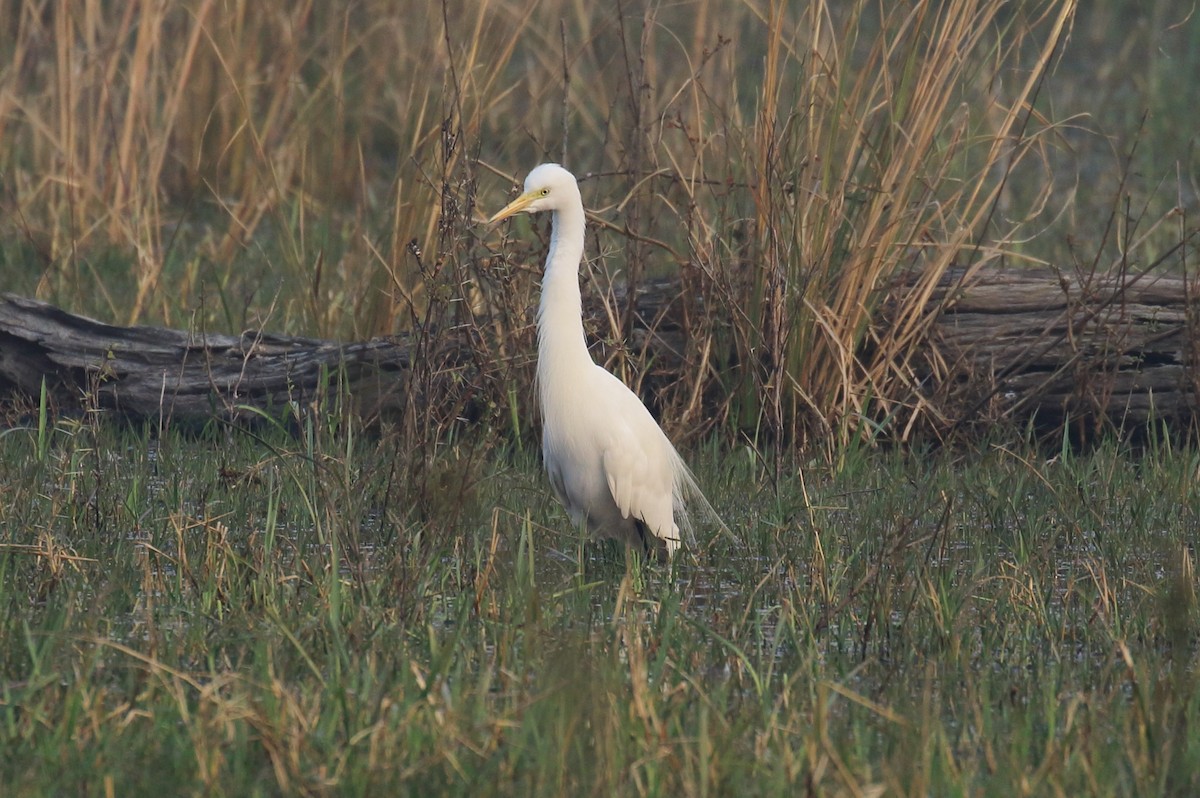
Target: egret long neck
(562, 350)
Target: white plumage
(609, 463)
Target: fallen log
(1116, 349)
(158, 373)
(188, 377)
(1111, 349)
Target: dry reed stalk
(789, 161)
(875, 172)
(142, 115)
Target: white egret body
(609, 463)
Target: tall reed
(315, 167)
(882, 160)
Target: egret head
(548, 187)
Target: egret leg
(652, 546)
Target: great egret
(609, 463)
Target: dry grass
(885, 156)
(315, 167)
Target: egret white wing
(637, 466)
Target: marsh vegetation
(313, 604)
(274, 614)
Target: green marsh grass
(268, 613)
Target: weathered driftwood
(1116, 348)
(152, 372)
(1121, 348)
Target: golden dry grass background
(316, 168)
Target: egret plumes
(609, 463)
